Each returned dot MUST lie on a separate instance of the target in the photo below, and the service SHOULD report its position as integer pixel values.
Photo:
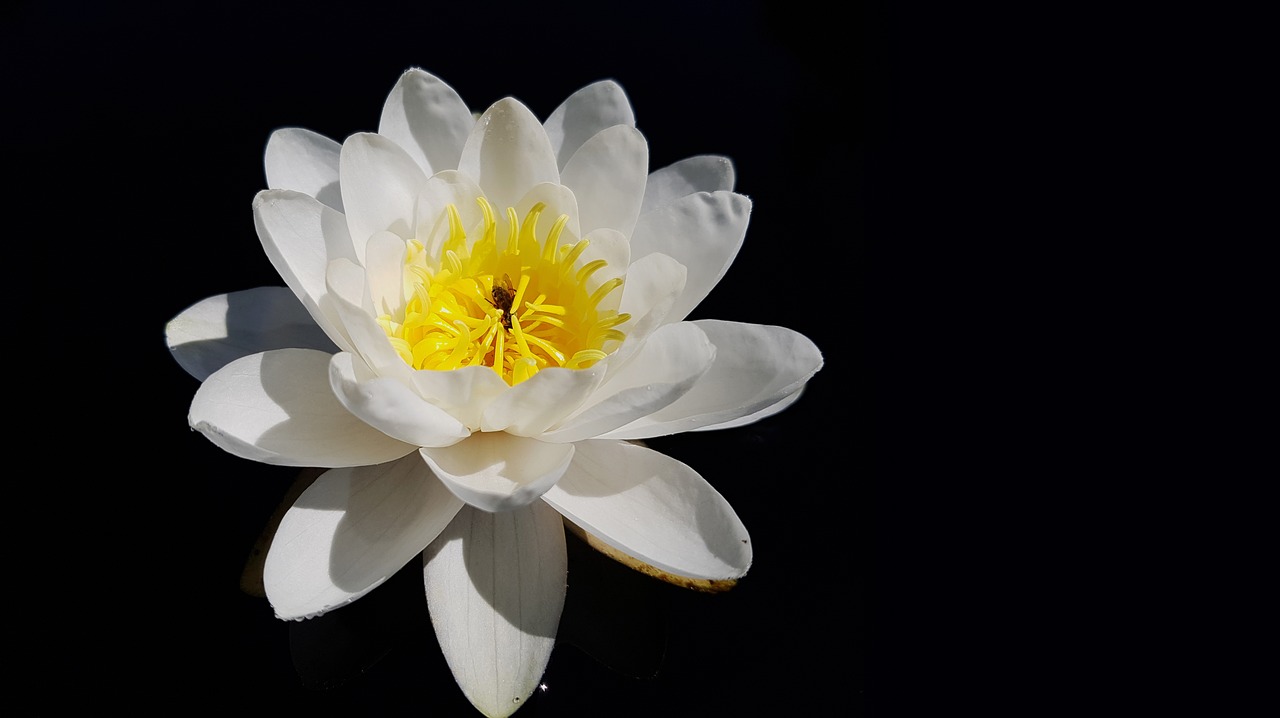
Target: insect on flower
(503, 295)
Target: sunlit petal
(301, 236)
(392, 407)
(428, 119)
(528, 409)
(350, 531)
(704, 173)
(752, 418)
(654, 284)
(666, 367)
(756, 367)
(591, 109)
(465, 393)
(306, 162)
(346, 283)
(211, 333)
(607, 174)
(380, 184)
(702, 231)
(276, 407)
(499, 472)
(653, 508)
(495, 585)
(508, 152)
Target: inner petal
(504, 295)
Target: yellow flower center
(518, 309)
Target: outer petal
(530, 407)
(380, 185)
(664, 369)
(209, 334)
(301, 236)
(607, 175)
(593, 108)
(350, 531)
(428, 119)
(653, 508)
(304, 161)
(508, 153)
(499, 472)
(704, 173)
(766, 412)
(495, 587)
(756, 367)
(701, 231)
(276, 407)
(393, 408)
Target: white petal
(392, 407)
(380, 185)
(508, 153)
(558, 200)
(301, 236)
(350, 531)
(276, 407)
(428, 119)
(497, 471)
(346, 282)
(607, 175)
(653, 508)
(704, 173)
(595, 107)
(752, 418)
(530, 407)
(615, 249)
(701, 231)
(756, 367)
(209, 334)
(306, 162)
(465, 392)
(666, 366)
(495, 588)
(384, 273)
(654, 283)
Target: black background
(143, 130)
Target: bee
(503, 296)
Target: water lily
(484, 316)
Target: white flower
(482, 316)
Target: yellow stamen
(468, 305)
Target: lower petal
(350, 531)
(653, 508)
(495, 587)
